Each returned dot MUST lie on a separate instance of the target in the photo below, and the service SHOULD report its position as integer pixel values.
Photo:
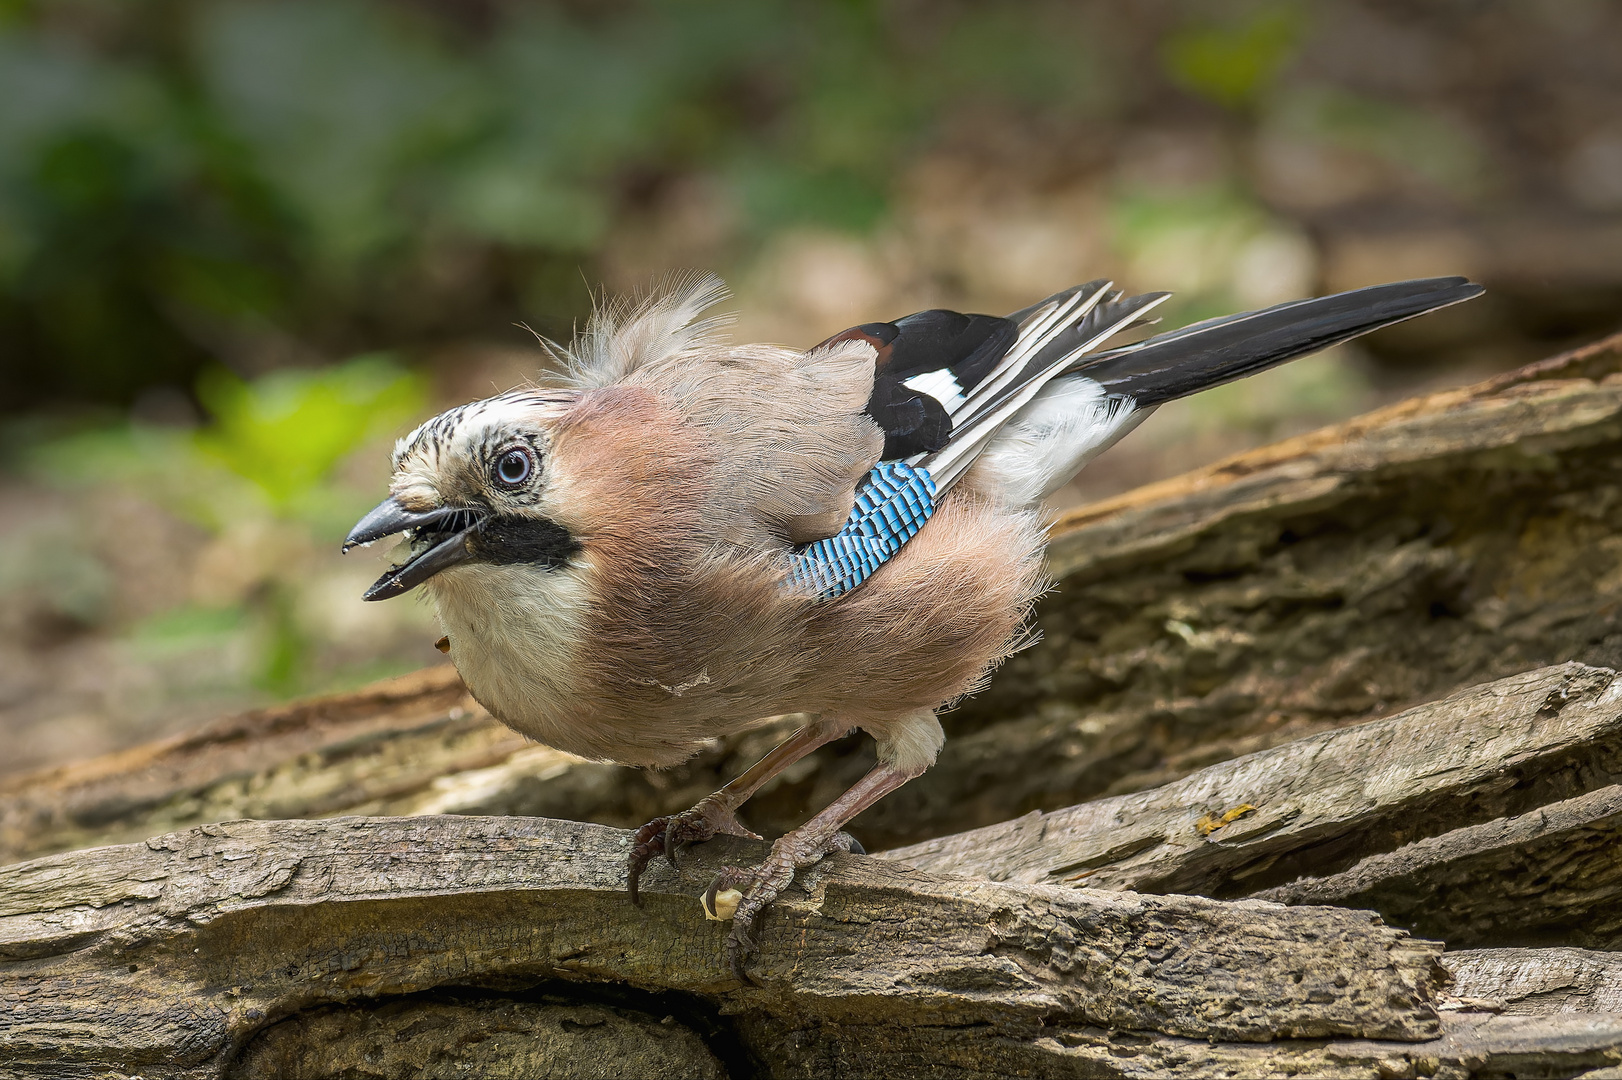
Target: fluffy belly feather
(644, 671)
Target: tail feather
(1207, 354)
(1057, 404)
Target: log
(1534, 982)
(502, 947)
(1319, 803)
(1470, 1045)
(466, 945)
(1318, 583)
(245, 948)
(1551, 875)
(1485, 819)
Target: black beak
(445, 531)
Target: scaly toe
(673, 833)
(747, 892)
(646, 842)
(689, 827)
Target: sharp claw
(741, 945)
(735, 963)
(708, 899)
(633, 879)
(673, 834)
(647, 842)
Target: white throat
(513, 630)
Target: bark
(471, 946)
(1329, 801)
(1485, 819)
(1555, 872)
(1537, 981)
(195, 951)
(1321, 582)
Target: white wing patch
(939, 385)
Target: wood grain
(181, 950)
(1321, 803)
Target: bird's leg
(757, 886)
(718, 811)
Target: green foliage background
(175, 175)
(244, 243)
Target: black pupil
(513, 468)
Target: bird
(678, 537)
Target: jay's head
(471, 486)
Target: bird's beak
(438, 541)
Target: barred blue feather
(891, 506)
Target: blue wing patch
(891, 506)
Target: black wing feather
(954, 346)
(957, 353)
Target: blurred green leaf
(776, 196)
(285, 431)
(1041, 57)
(1233, 63)
(284, 643)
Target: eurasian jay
(687, 536)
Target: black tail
(1207, 354)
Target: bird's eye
(513, 467)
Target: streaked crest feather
(626, 334)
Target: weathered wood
(308, 759)
(180, 950)
(261, 949)
(1552, 875)
(413, 745)
(1320, 582)
(1321, 804)
(1537, 982)
(1470, 1045)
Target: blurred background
(244, 245)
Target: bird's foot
(668, 835)
(740, 893)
